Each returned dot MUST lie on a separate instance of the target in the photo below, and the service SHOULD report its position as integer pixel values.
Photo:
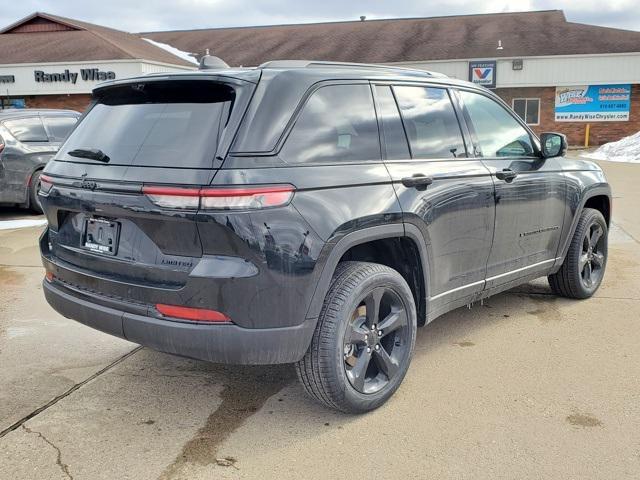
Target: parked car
(28, 140)
(312, 213)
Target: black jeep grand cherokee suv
(309, 212)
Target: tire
(34, 186)
(583, 268)
(349, 336)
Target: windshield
(159, 124)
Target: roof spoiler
(211, 62)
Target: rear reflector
(195, 314)
(225, 198)
(49, 277)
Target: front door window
(496, 132)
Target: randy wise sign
(86, 74)
(23, 79)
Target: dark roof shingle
(86, 42)
(405, 40)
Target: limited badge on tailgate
(101, 236)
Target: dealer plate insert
(101, 235)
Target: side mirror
(553, 144)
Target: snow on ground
(174, 51)
(625, 150)
(12, 224)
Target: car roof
(281, 85)
(321, 70)
(361, 69)
(27, 112)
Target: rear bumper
(214, 343)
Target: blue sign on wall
(483, 73)
(593, 103)
(12, 103)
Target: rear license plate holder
(101, 236)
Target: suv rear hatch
(171, 131)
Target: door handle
(417, 181)
(506, 174)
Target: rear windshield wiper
(91, 153)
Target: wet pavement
(525, 386)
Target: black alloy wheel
(364, 338)
(584, 265)
(376, 341)
(592, 259)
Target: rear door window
(59, 126)
(337, 124)
(27, 129)
(156, 124)
(430, 122)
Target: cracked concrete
(37, 411)
(63, 466)
(42, 354)
(525, 386)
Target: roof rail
(317, 63)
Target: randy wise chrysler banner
(593, 103)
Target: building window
(528, 109)
(12, 103)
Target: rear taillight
(194, 314)
(1, 147)
(252, 197)
(171, 197)
(222, 198)
(46, 183)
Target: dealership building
(557, 75)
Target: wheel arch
(34, 170)
(602, 203)
(372, 244)
(598, 197)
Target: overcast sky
(135, 16)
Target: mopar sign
(483, 73)
(593, 103)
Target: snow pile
(12, 224)
(624, 150)
(174, 51)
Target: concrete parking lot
(525, 386)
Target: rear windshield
(27, 129)
(59, 127)
(159, 124)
